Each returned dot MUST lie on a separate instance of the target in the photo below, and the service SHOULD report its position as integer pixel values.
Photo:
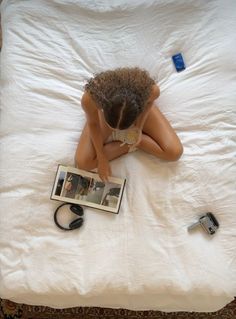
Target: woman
(121, 117)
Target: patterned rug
(11, 310)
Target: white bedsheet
(143, 258)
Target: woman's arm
(91, 112)
(139, 123)
(143, 116)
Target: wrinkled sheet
(143, 258)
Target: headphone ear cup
(76, 223)
(77, 209)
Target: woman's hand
(104, 170)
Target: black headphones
(76, 209)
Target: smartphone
(178, 62)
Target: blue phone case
(178, 62)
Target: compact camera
(208, 222)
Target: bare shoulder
(90, 108)
(87, 100)
(88, 104)
(155, 92)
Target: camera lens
(211, 231)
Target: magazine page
(77, 186)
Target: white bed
(143, 258)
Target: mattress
(143, 258)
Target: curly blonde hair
(121, 93)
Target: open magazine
(76, 186)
